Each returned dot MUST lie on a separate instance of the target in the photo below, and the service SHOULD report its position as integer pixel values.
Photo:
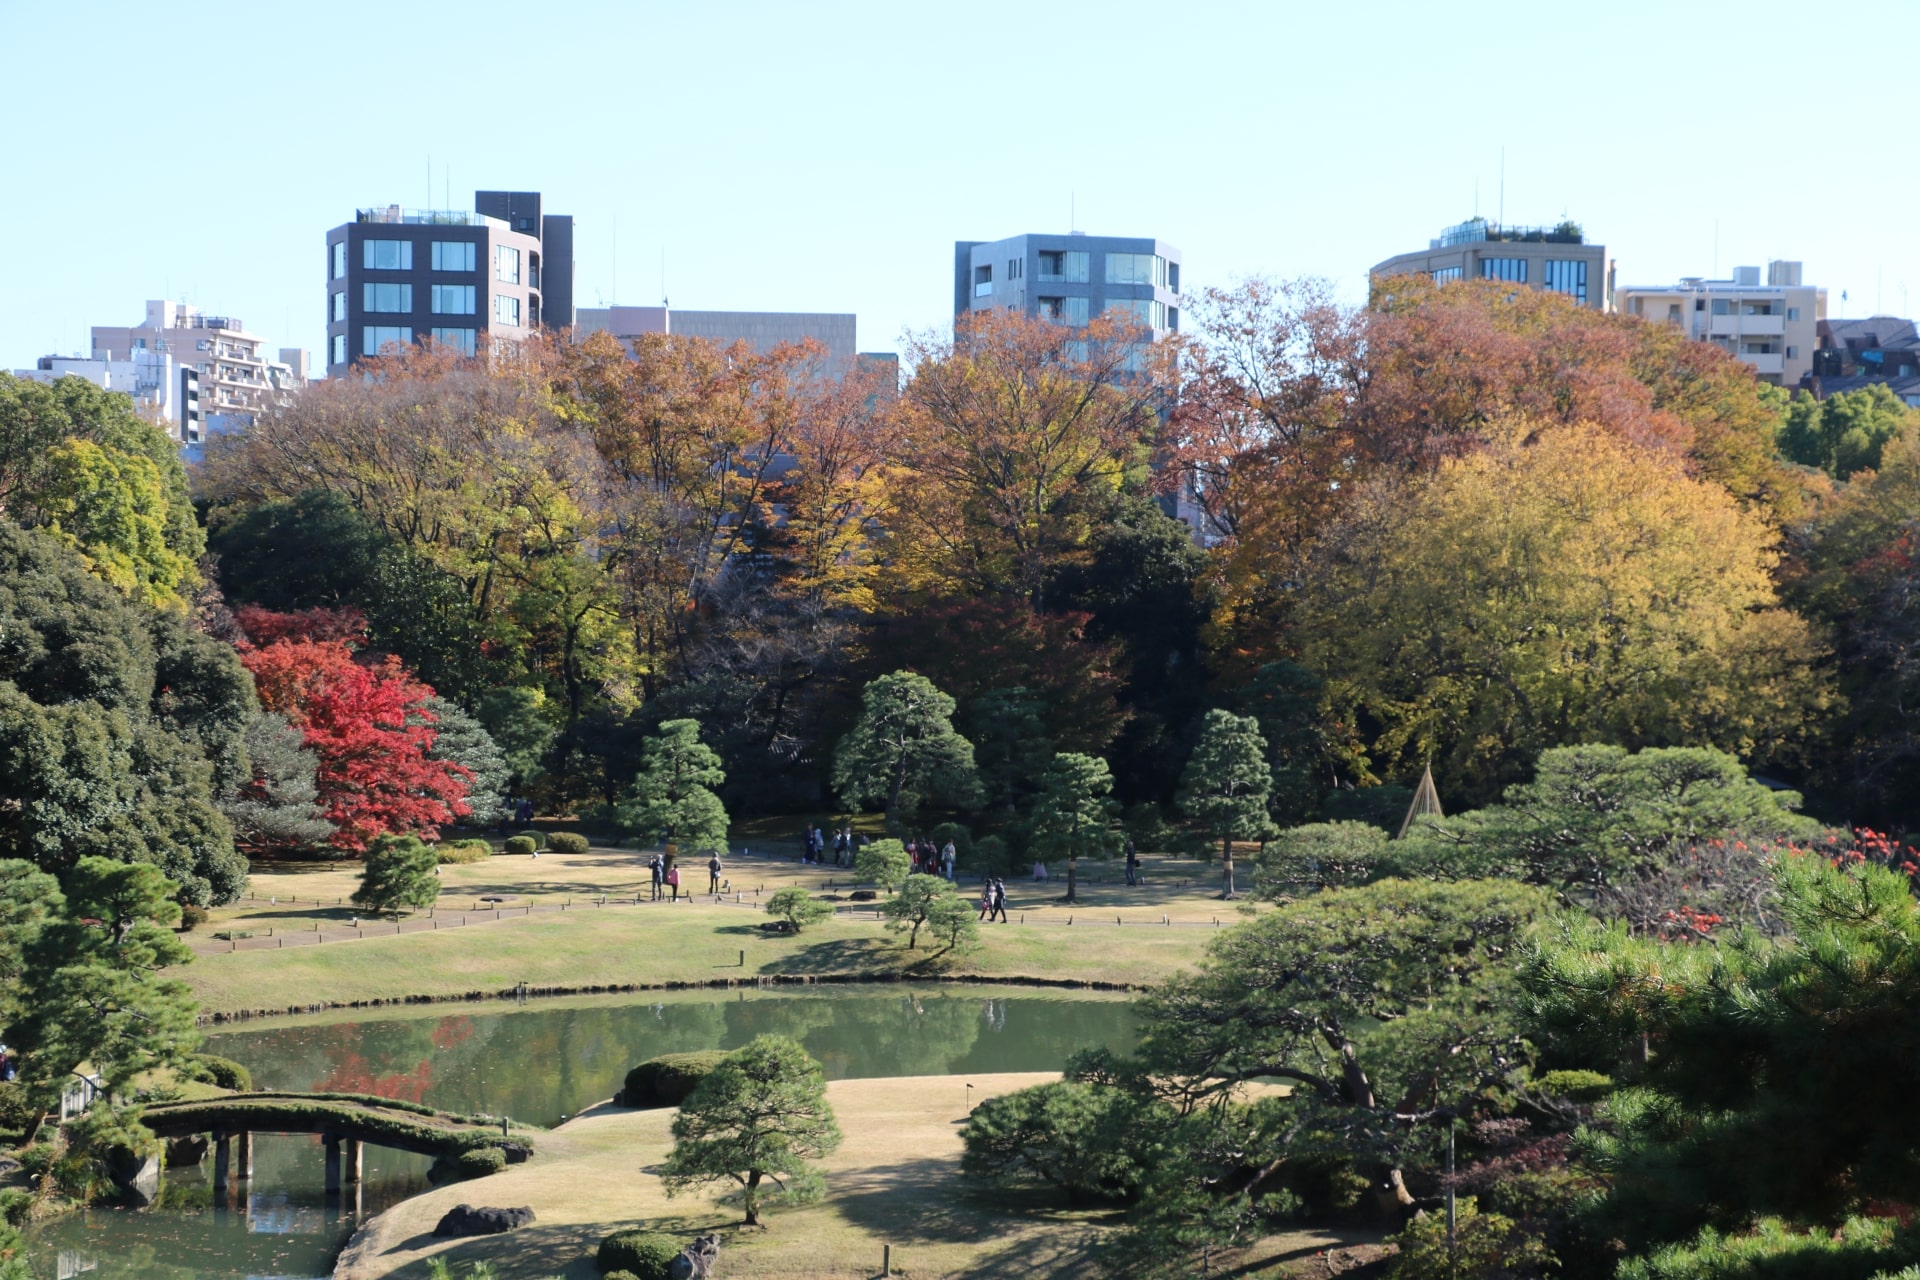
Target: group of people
(993, 900)
(929, 861)
(515, 814)
(843, 842)
(666, 877)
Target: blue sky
(825, 156)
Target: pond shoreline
(526, 991)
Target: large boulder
(469, 1220)
(697, 1260)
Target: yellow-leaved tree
(1566, 586)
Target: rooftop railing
(393, 213)
(1474, 230)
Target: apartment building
(164, 390)
(1774, 327)
(1071, 278)
(1556, 258)
(398, 276)
(760, 330)
(236, 373)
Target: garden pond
(539, 1061)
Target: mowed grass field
(895, 1180)
(1116, 934)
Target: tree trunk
(750, 1202)
(1073, 878)
(1226, 868)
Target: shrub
(666, 1081)
(644, 1254)
(452, 851)
(567, 842)
(797, 908)
(1319, 855)
(1578, 1086)
(480, 1162)
(36, 1159)
(16, 1206)
(1486, 1244)
(400, 872)
(17, 1112)
(536, 835)
(192, 916)
(1078, 1138)
(224, 1072)
(521, 846)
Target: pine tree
(757, 1118)
(460, 739)
(277, 808)
(1226, 786)
(673, 795)
(401, 872)
(904, 748)
(1073, 814)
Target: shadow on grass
(914, 1202)
(837, 955)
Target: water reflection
(539, 1062)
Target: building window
(462, 339)
(1568, 276)
(1137, 312)
(1445, 275)
(386, 297)
(1015, 269)
(1173, 277)
(375, 336)
(1512, 270)
(982, 281)
(1793, 353)
(1722, 307)
(453, 255)
(339, 348)
(1136, 268)
(339, 259)
(453, 299)
(506, 309)
(340, 305)
(506, 264)
(386, 255)
(1793, 313)
(1064, 266)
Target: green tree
(797, 908)
(759, 1117)
(1073, 814)
(904, 748)
(400, 873)
(1226, 786)
(883, 863)
(276, 809)
(459, 738)
(1320, 855)
(673, 795)
(922, 901)
(1594, 815)
(29, 897)
(953, 922)
(307, 552)
(94, 994)
(1757, 1069)
(1845, 432)
(515, 717)
(1285, 699)
(1086, 1140)
(1010, 746)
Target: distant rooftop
(1477, 229)
(430, 217)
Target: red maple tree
(365, 718)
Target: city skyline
(827, 161)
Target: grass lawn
(696, 941)
(895, 1180)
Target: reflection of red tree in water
(358, 1054)
(449, 1032)
(354, 1074)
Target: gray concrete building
(1071, 278)
(1774, 327)
(398, 275)
(1556, 258)
(236, 375)
(761, 330)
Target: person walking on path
(713, 874)
(673, 881)
(986, 899)
(947, 857)
(999, 902)
(659, 875)
(842, 845)
(1133, 862)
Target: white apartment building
(1773, 326)
(168, 392)
(238, 378)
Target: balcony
(1775, 364)
(984, 289)
(1749, 326)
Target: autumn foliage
(365, 719)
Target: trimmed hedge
(452, 851)
(520, 846)
(645, 1255)
(192, 916)
(479, 1162)
(536, 835)
(666, 1081)
(567, 842)
(224, 1072)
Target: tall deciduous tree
(1017, 433)
(1073, 813)
(673, 796)
(759, 1120)
(904, 748)
(1591, 592)
(1226, 785)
